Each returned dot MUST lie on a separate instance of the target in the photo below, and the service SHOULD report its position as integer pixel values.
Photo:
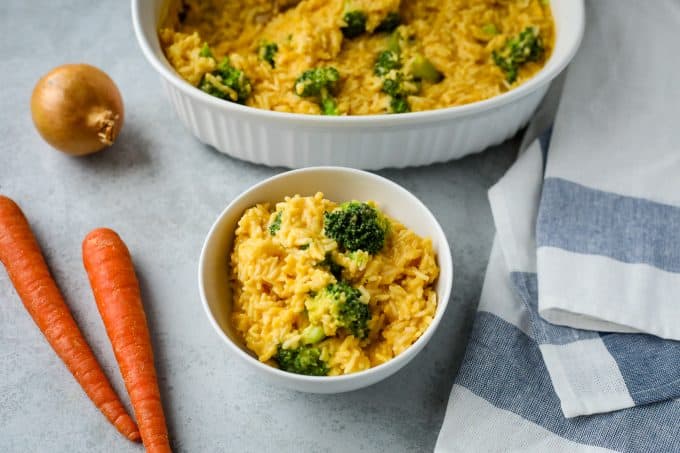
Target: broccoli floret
(490, 29)
(319, 83)
(314, 82)
(334, 268)
(227, 82)
(340, 304)
(313, 334)
(355, 24)
(357, 226)
(423, 69)
(399, 86)
(395, 42)
(302, 360)
(329, 106)
(527, 46)
(359, 258)
(399, 105)
(389, 23)
(267, 52)
(205, 51)
(275, 226)
(354, 315)
(387, 60)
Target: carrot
(116, 291)
(21, 255)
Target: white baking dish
(369, 142)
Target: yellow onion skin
(77, 109)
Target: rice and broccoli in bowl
(321, 288)
(356, 57)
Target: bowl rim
(545, 75)
(443, 255)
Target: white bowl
(369, 142)
(338, 184)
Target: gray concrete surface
(161, 190)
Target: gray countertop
(161, 190)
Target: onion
(77, 109)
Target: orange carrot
(116, 291)
(21, 255)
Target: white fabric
(498, 294)
(496, 430)
(514, 201)
(617, 128)
(572, 368)
(605, 304)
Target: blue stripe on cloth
(649, 365)
(589, 221)
(526, 286)
(504, 366)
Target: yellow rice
(272, 277)
(450, 33)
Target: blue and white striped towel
(608, 229)
(526, 384)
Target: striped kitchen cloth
(526, 384)
(608, 229)
(591, 226)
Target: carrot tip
(135, 436)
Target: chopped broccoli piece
(314, 81)
(313, 334)
(205, 51)
(399, 105)
(355, 24)
(387, 60)
(267, 52)
(357, 226)
(398, 85)
(304, 246)
(354, 315)
(275, 226)
(395, 83)
(490, 29)
(359, 258)
(395, 42)
(329, 106)
(227, 82)
(393, 86)
(423, 69)
(344, 305)
(389, 23)
(302, 360)
(527, 46)
(334, 268)
(319, 83)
